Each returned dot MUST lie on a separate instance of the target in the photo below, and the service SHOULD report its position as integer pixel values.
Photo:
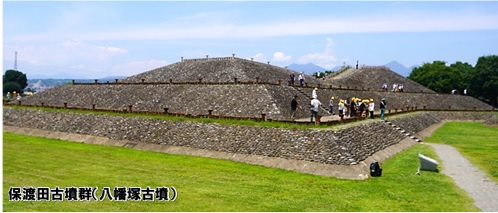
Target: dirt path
(482, 189)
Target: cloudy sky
(94, 39)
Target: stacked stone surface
(414, 124)
(342, 147)
(374, 77)
(243, 100)
(218, 70)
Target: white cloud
(281, 57)
(114, 49)
(260, 57)
(136, 67)
(229, 29)
(325, 59)
(70, 56)
(71, 51)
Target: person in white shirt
(313, 94)
(371, 108)
(340, 107)
(301, 79)
(315, 104)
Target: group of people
(396, 87)
(357, 107)
(455, 91)
(301, 78)
(360, 107)
(13, 97)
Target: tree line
(480, 82)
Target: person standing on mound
(315, 104)
(382, 108)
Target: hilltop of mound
(217, 70)
(374, 77)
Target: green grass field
(476, 141)
(205, 184)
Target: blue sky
(94, 39)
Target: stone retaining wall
(344, 147)
(348, 146)
(415, 124)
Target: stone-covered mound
(401, 100)
(374, 77)
(233, 100)
(241, 100)
(217, 70)
(152, 91)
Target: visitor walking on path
(331, 105)
(301, 79)
(340, 107)
(292, 78)
(382, 108)
(294, 106)
(371, 108)
(315, 104)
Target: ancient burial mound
(228, 86)
(372, 78)
(235, 87)
(218, 70)
(239, 88)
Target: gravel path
(482, 189)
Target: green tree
(11, 87)
(14, 76)
(485, 80)
(466, 71)
(437, 76)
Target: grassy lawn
(205, 184)
(476, 141)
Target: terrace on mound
(200, 86)
(374, 77)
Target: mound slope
(217, 70)
(153, 91)
(374, 78)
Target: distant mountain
(40, 85)
(308, 68)
(400, 68)
(336, 68)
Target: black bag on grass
(375, 170)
